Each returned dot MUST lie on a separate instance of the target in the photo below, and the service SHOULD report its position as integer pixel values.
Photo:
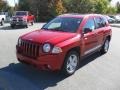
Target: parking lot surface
(95, 73)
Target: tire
(71, 63)
(12, 26)
(105, 47)
(2, 22)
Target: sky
(113, 3)
(11, 2)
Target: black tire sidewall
(2, 22)
(64, 68)
(12, 26)
(103, 51)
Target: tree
(44, 10)
(3, 5)
(79, 6)
(111, 10)
(59, 8)
(101, 6)
(23, 5)
(87, 6)
(118, 7)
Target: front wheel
(105, 47)
(71, 63)
(26, 26)
(12, 26)
(2, 22)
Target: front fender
(70, 43)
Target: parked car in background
(2, 18)
(110, 20)
(64, 41)
(22, 18)
(116, 17)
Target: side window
(90, 24)
(99, 22)
(104, 21)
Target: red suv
(22, 18)
(62, 42)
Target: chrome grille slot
(30, 49)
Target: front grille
(30, 49)
(18, 20)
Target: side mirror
(87, 30)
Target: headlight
(46, 48)
(56, 50)
(19, 42)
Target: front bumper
(46, 62)
(20, 23)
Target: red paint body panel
(65, 40)
(55, 61)
(42, 36)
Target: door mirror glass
(87, 30)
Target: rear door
(99, 30)
(90, 38)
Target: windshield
(21, 13)
(65, 24)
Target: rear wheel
(105, 47)
(71, 63)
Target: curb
(118, 26)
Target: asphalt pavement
(95, 72)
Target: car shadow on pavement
(9, 28)
(89, 59)
(22, 77)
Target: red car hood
(42, 36)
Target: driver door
(89, 37)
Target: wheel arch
(76, 48)
(108, 37)
(3, 19)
